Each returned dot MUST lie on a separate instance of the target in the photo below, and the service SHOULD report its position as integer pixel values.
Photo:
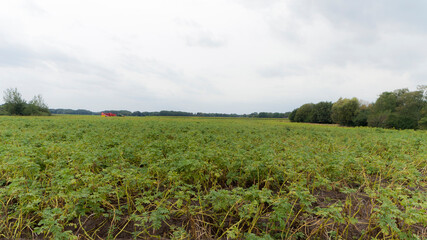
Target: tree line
(399, 109)
(170, 113)
(14, 104)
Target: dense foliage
(400, 109)
(16, 105)
(89, 177)
(344, 111)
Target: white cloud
(210, 56)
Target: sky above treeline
(228, 56)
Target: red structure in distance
(108, 114)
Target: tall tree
(36, 106)
(344, 111)
(400, 109)
(292, 115)
(305, 113)
(322, 112)
(14, 103)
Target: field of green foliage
(77, 177)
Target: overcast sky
(230, 56)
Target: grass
(87, 177)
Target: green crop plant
(86, 177)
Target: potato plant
(86, 177)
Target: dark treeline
(14, 104)
(170, 113)
(400, 109)
(71, 111)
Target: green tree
(322, 112)
(14, 103)
(383, 108)
(344, 111)
(3, 110)
(305, 113)
(400, 109)
(36, 107)
(38, 101)
(292, 115)
(362, 116)
(422, 124)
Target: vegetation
(344, 111)
(87, 177)
(169, 113)
(400, 109)
(305, 113)
(73, 112)
(16, 105)
(322, 112)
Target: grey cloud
(280, 71)
(204, 38)
(257, 4)
(309, 49)
(201, 86)
(34, 8)
(15, 55)
(405, 15)
(391, 55)
(383, 34)
(419, 77)
(187, 22)
(191, 85)
(371, 16)
(151, 67)
(358, 27)
(74, 65)
(198, 36)
(365, 18)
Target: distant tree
(278, 115)
(422, 124)
(14, 103)
(362, 116)
(38, 101)
(409, 110)
(253, 115)
(383, 108)
(175, 113)
(400, 109)
(3, 110)
(71, 111)
(37, 107)
(322, 112)
(292, 115)
(344, 111)
(268, 115)
(305, 113)
(263, 115)
(137, 113)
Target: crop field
(87, 177)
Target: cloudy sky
(230, 56)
